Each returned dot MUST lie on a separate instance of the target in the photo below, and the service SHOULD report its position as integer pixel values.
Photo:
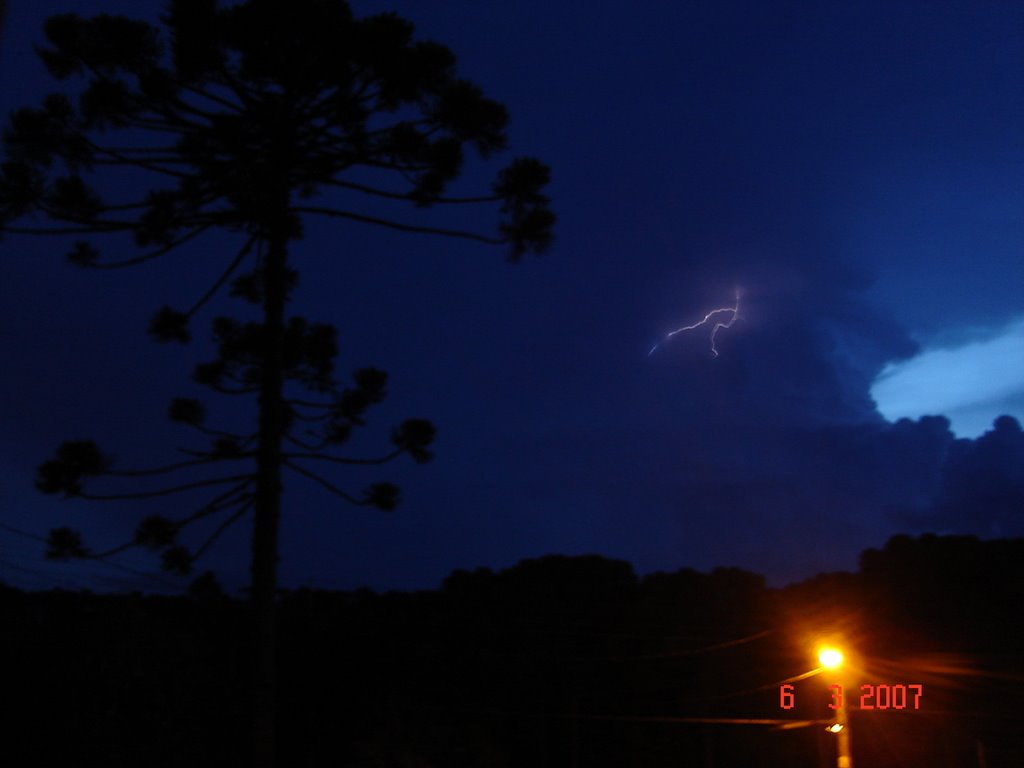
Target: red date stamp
(871, 696)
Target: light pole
(832, 658)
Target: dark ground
(557, 661)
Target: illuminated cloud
(971, 384)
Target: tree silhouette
(243, 114)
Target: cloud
(971, 383)
(980, 488)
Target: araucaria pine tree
(244, 116)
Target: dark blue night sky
(853, 169)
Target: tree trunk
(267, 503)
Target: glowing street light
(830, 658)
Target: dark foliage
(75, 460)
(156, 532)
(231, 105)
(236, 133)
(64, 544)
(559, 660)
(240, 115)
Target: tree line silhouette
(556, 661)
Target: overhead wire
(153, 577)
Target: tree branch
(306, 446)
(101, 557)
(329, 486)
(312, 419)
(216, 504)
(232, 390)
(119, 159)
(165, 151)
(308, 403)
(98, 225)
(398, 225)
(243, 440)
(342, 460)
(238, 88)
(407, 196)
(170, 467)
(123, 159)
(197, 111)
(116, 550)
(153, 254)
(239, 258)
(221, 528)
(63, 231)
(162, 491)
(156, 125)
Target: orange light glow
(830, 658)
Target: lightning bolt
(735, 310)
